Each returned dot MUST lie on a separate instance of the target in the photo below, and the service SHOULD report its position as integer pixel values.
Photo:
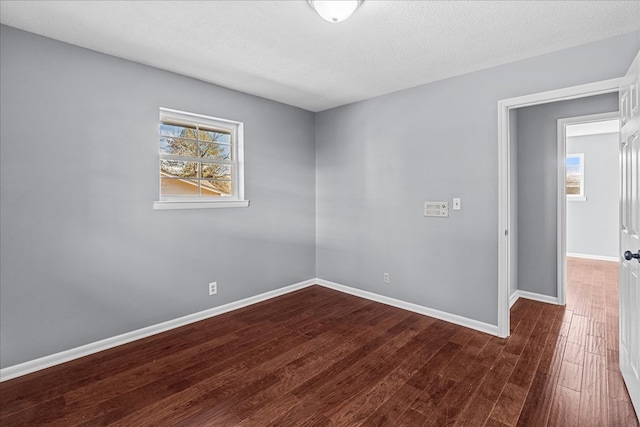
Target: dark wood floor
(318, 357)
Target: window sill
(161, 206)
(576, 199)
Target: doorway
(507, 247)
(590, 182)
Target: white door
(630, 233)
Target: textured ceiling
(283, 51)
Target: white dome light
(335, 10)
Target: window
(200, 162)
(575, 177)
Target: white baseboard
(513, 298)
(532, 296)
(442, 315)
(91, 348)
(596, 257)
(25, 368)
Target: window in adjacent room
(575, 176)
(200, 161)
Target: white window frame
(577, 197)
(236, 199)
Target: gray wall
(83, 255)
(380, 159)
(592, 225)
(538, 187)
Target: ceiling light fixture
(335, 10)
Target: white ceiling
(283, 51)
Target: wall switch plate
(438, 209)
(456, 204)
(385, 278)
(213, 288)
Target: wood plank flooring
(317, 357)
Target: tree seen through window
(193, 160)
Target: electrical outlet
(213, 288)
(385, 277)
(456, 203)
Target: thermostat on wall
(439, 209)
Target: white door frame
(504, 177)
(562, 205)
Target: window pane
(177, 168)
(573, 188)
(218, 172)
(178, 187)
(573, 161)
(215, 151)
(216, 188)
(575, 174)
(574, 170)
(197, 157)
(214, 135)
(178, 147)
(177, 130)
